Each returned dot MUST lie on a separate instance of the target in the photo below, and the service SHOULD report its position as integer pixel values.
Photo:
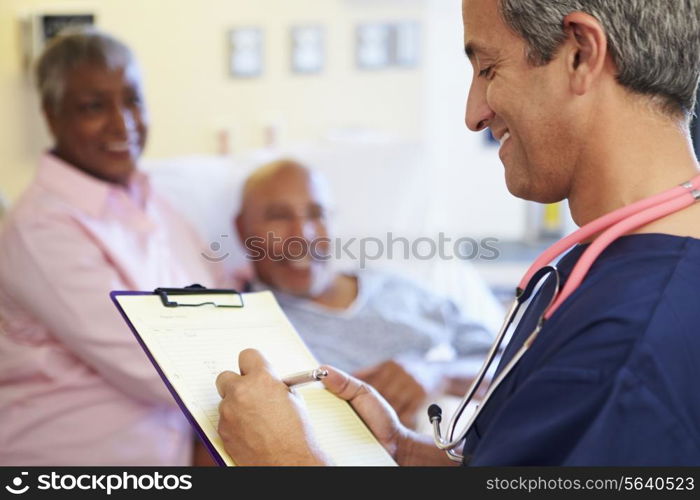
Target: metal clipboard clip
(229, 298)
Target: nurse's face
(100, 126)
(525, 106)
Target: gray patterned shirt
(391, 318)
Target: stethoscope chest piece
(522, 295)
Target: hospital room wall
(182, 48)
(466, 169)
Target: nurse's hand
(405, 392)
(261, 421)
(372, 408)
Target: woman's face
(100, 126)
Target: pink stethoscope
(613, 225)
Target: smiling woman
(92, 99)
(75, 387)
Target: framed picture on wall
(406, 43)
(52, 24)
(39, 28)
(246, 52)
(388, 45)
(373, 46)
(307, 51)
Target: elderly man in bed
(386, 330)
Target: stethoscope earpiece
(435, 413)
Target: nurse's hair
(71, 48)
(655, 44)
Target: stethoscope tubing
(602, 242)
(603, 223)
(611, 226)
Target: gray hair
(71, 48)
(655, 44)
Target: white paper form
(192, 345)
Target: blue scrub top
(614, 376)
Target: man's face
(284, 226)
(101, 124)
(525, 106)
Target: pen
(305, 377)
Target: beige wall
(182, 47)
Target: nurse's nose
(478, 114)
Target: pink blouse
(75, 387)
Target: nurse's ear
(586, 53)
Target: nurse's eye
(487, 72)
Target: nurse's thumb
(343, 385)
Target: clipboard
(196, 291)
(166, 323)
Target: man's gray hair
(655, 44)
(71, 48)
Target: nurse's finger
(369, 405)
(343, 385)
(252, 361)
(225, 381)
